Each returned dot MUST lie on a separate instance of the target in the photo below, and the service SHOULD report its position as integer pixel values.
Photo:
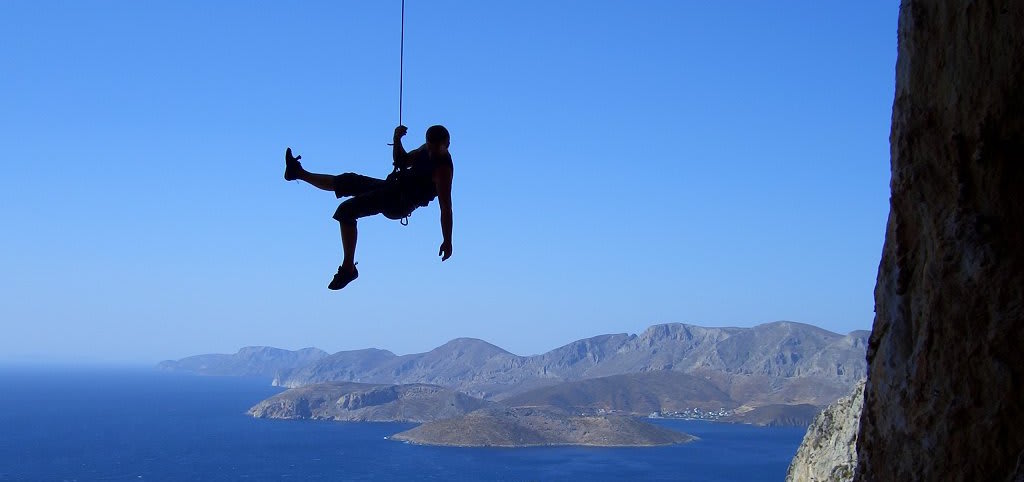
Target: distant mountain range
(781, 362)
(775, 373)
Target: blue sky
(618, 165)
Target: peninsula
(528, 427)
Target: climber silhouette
(420, 175)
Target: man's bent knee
(343, 184)
(346, 213)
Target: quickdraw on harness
(396, 174)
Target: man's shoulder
(444, 169)
(446, 163)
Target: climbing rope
(401, 88)
(401, 70)
(401, 66)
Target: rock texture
(945, 392)
(360, 402)
(252, 361)
(525, 427)
(829, 449)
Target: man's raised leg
(293, 171)
(320, 181)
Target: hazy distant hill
(636, 393)
(777, 415)
(344, 365)
(360, 402)
(457, 363)
(262, 361)
(523, 427)
(664, 392)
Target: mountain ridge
(777, 363)
(778, 357)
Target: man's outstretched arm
(443, 181)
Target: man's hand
(446, 250)
(399, 133)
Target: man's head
(437, 137)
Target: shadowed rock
(944, 397)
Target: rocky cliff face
(944, 397)
(829, 449)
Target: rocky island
(456, 419)
(361, 402)
(527, 427)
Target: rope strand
(401, 67)
(401, 87)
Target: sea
(120, 424)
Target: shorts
(370, 196)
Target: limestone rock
(829, 449)
(945, 393)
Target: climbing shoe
(292, 168)
(343, 278)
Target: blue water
(120, 424)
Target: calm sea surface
(123, 424)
